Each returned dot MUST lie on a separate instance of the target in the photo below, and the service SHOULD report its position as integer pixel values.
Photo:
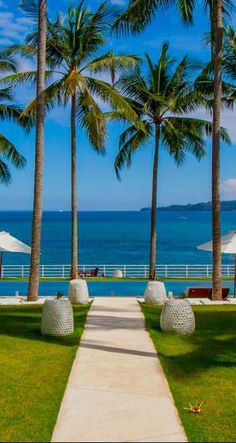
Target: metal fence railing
(135, 271)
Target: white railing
(138, 271)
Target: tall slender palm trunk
(39, 155)
(74, 210)
(216, 221)
(153, 236)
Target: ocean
(115, 238)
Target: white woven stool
(117, 274)
(177, 316)
(57, 317)
(155, 293)
(78, 292)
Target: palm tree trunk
(216, 222)
(153, 236)
(212, 30)
(74, 213)
(39, 155)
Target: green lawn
(33, 373)
(201, 367)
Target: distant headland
(227, 205)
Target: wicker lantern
(155, 293)
(78, 292)
(57, 317)
(177, 316)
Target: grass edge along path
(34, 372)
(201, 368)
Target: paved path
(117, 391)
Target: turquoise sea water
(115, 238)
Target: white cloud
(25, 64)
(228, 189)
(12, 27)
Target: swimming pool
(109, 288)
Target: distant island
(228, 205)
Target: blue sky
(98, 187)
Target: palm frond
(92, 120)
(5, 175)
(186, 10)
(94, 30)
(7, 63)
(229, 53)
(115, 116)
(111, 64)
(10, 112)
(52, 95)
(27, 51)
(182, 135)
(21, 78)
(10, 153)
(6, 94)
(30, 7)
(131, 140)
(110, 95)
(138, 15)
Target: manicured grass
(33, 373)
(201, 368)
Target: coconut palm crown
(12, 112)
(72, 44)
(163, 98)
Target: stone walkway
(117, 390)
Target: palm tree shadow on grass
(213, 344)
(25, 323)
(208, 353)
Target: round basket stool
(177, 316)
(78, 292)
(57, 317)
(155, 293)
(117, 274)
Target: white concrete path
(117, 391)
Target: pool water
(133, 288)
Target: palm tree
(161, 98)
(8, 152)
(138, 14)
(215, 180)
(72, 44)
(41, 11)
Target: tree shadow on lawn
(24, 322)
(207, 354)
(211, 346)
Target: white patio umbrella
(11, 244)
(228, 246)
